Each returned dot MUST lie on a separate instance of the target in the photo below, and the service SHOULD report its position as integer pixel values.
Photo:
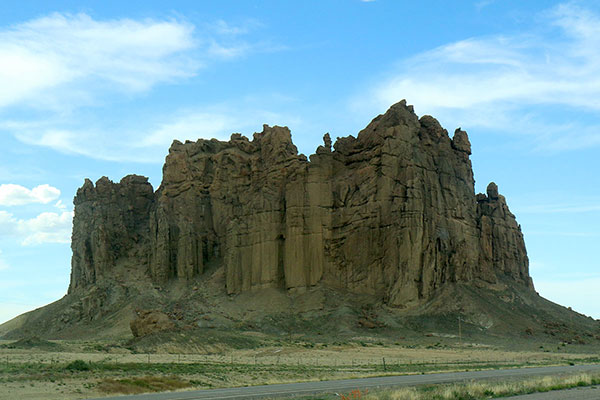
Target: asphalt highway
(346, 385)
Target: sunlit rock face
(391, 212)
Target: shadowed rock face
(110, 224)
(391, 212)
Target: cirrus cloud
(83, 55)
(508, 82)
(62, 62)
(148, 144)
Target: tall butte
(390, 213)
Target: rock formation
(391, 212)
(148, 322)
(111, 224)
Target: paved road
(589, 393)
(345, 386)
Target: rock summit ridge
(391, 213)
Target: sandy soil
(331, 355)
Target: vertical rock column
(502, 248)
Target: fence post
(384, 363)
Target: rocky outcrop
(110, 225)
(391, 212)
(150, 321)
(502, 248)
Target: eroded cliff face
(109, 227)
(390, 213)
(502, 248)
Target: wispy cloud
(500, 82)
(148, 143)
(79, 55)
(62, 62)
(65, 60)
(222, 27)
(192, 125)
(480, 5)
(17, 195)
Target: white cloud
(47, 227)
(78, 53)
(499, 82)
(222, 27)
(154, 141)
(216, 49)
(17, 195)
(8, 223)
(60, 205)
(191, 126)
(150, 143)
(62, 62)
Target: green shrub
(78, 365)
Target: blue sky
(102, 88)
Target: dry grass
(92, 370)
(333, 355)
(487, 389)
(142, 384)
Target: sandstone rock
(502, 248)
(327, 141)
(148, 322)
(492, 191)
(461, 142)
(326, 148)
(110, 223)
(391, 213)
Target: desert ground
(39, 369)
